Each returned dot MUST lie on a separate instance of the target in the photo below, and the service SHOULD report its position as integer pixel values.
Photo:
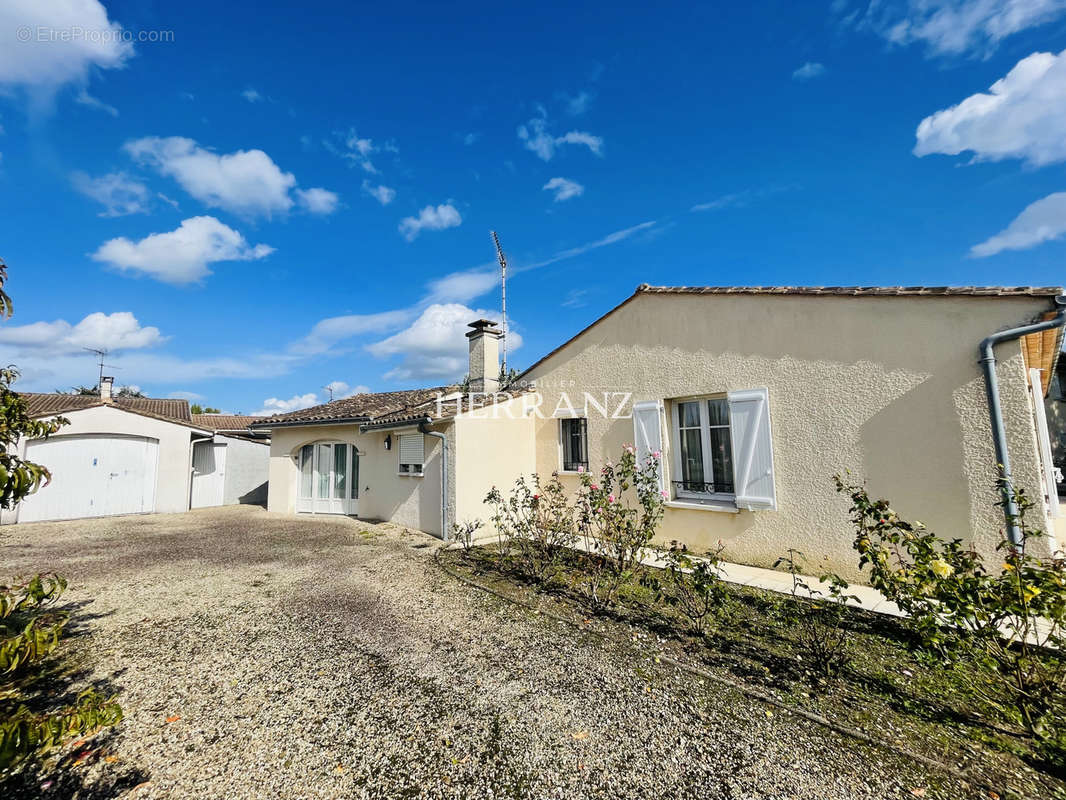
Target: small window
(412, 453)
(704, 448)
(575, 445)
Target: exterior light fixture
(388, 441)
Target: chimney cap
(481, 326)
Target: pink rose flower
(610, 498)
(657, 455)
(595, 487)
(581, 468)
(665, 494)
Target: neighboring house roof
(359, 407)
(385, 409)
(862, 291)
(1048, 292)
(169, 410)
(225, 422)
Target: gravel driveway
(300, 657)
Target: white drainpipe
(443, 476)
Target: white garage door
(93, 476)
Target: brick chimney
(484, 356)
(106, 385)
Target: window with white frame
(574, 435)
(703, 448)
(412, 453)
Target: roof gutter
(443, 475)
(995, 410)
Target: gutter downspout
(995, 410)
(443, 475)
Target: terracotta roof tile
(40, 404)
(894, 291)
(360, 407)
(225, 422)
(382, 409)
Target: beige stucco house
(755, 398)
(135, 455)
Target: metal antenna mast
(329, 388)
(102, 354)
(503, 292)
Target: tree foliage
(30, 625)
(1008, 618)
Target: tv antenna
(503, 296)
(329, 388)
(101, 354)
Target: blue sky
(273, 197)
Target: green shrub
(616, 531)
(30, 630)
(691, 585)
(464, 534)
(30, 627)
(819, 616)
(535, 525)
(1009, 619)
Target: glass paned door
(324, 479)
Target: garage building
(135, 455)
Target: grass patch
(884, 689)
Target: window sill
(411, 474)
(571, 472)
(696, 505)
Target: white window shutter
(753, 450)
(412, 448)
(647, 434)
(1043, 440)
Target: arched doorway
(328, 478)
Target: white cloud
(356, 149)
(182, 255)
(435, 346)
(275, 405)
(45, 65)
(536, 137)
(251, 95)
(318, 201)
(461, 287)
(113, 332)
(575, 298)
(1023, 115)
(430, 218)
(328, 332)
(117, 192)
(84, 98)
(342, 390)
(383, 194)
(564, 189)
(1042, 221)
(812, 69)
(576, 104)
(246, 182)
(954, 27)
(742, 199)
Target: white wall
(383, 493)
(247, 468)
(175, 450)
(887, 387)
